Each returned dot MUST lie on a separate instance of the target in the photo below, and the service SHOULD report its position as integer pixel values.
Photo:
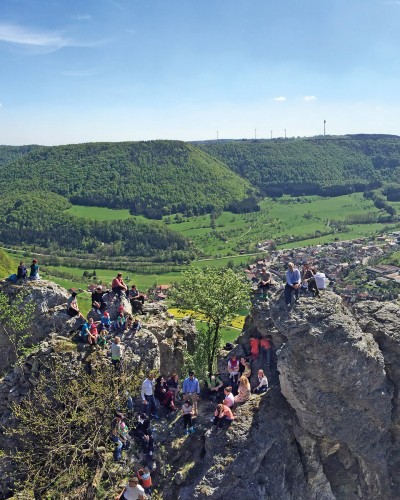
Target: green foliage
(62, 428)
(16, 317)
(7, 266)
(153, 178)
(318, 165)
(215, 295)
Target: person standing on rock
(187, 414)
(266, 349)
(116, 353)
(293, 283)
(147, 394)
(191, 389)
(131, 491)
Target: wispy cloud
(280, 99)
(42, 41)
(82, 17)
(309, 98)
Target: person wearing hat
(131, 491)
(98, 302)
(72, 306)
(105, 320)
(191, 390)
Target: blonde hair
(244, 381)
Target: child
(93, 333)
(116, 353)
(145, 480)
(102, 339)
(136, 325)
(254, 347)
(120, 323)
(105, 320)
(187, 414)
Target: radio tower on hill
(324, 127)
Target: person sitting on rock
(34, 274)
(72, 306)
(98, 302)
(128, 322)
(102, 337)
(173, 384)
(266, 349)
(119, 324)
(229, 399)
(293, 282)
(118, 286)
(93, 333)
(187, 414)
(143, 435)
(116, 353)
(164, 395)
(233, 369)
(262, 383)
(134, 294)
(254, 347)
(223, 416)
(215, 388)
(22, 272)
(265, 282)
(244, 390)
(136, 325)
(308, 279)
(105, 320)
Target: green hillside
(7, 266)
(319, 165)
(41, 219)
(10, 153)
(151, 178)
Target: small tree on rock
(215, 296)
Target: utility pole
(324, 127)
(255, 134)
(285, 133)
(217, 135)
(271, 134)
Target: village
(351, 267)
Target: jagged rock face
(49, 316)
(333, 411)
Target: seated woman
(22, 272)
(164, 394)
(229, 399)
(263, 383)
(244, 368)
(72, 306)
(93, 333)
(233, 369)
(244, 390)
(34, 274)
(265, 282)
(173, 384)
(223, 415)
(308, 279)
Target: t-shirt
(116, 351)
(133, 492)
(254, 345)
(187, 409)
(264, 342)
(229, 400)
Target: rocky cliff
(329, 426)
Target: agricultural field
(98, 213)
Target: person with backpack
(144, 477)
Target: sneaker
(186, 431)
(150, 453)
(192, 429)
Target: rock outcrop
(329, 426)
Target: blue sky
(112, 70)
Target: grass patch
(98, 213)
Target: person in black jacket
(143, 435)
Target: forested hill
(150, 178)
(329, 165)
(10, 153)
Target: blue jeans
(288, 293)
(266, 354)
(118, 448)
(150, 408)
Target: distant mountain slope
(320, 165)
(150, 178)
(10, 153)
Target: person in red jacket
(145, 479)
(254, 347)
(118, 286)
(266, 349)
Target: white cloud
(280, 99)
(19, 35)
(82, 17)
(310, 98)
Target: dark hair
(188, 402)
(74, 294)
(191, 373)
(143, 416)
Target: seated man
(265, 282)
(118, 286)
(142, 434)
(98, 302)
(134, 294)
(293, 281)
(215, 388)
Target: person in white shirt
(147, 395)
(132, 491)
(229, 399)
(262, 383)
